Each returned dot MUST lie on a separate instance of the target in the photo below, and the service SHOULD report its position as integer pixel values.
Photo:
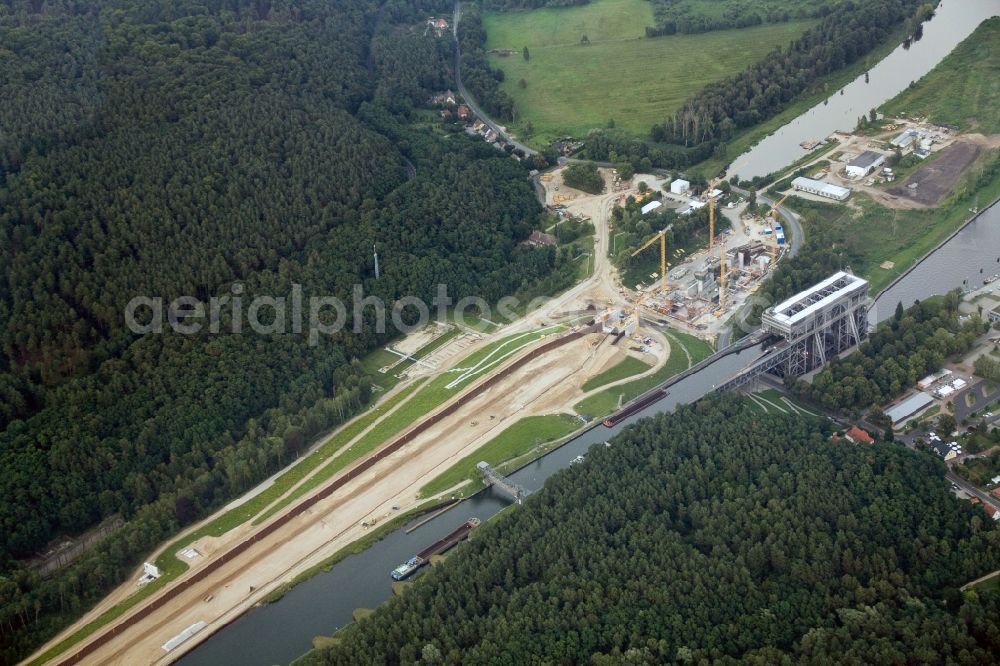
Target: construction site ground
(546, 385)
(549, 384)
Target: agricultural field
(568, 85)
(970, 80)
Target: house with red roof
(858, 436)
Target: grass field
(621, 75)
(629, 366)
(517, 440)
(685, 351)
(971, 76)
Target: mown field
(971, 76)
(571, 88)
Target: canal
(964, 260)
(952, 22)
(280, 632)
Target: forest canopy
(173, 149)
(710, 534)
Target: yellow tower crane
(662, 237)
(722, 281)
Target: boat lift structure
(811, 328)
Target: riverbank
(973, 218)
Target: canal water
(278, 633)
(965, 260)
(953, 21)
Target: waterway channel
(963, 261)
(953, 21)
(278, 633)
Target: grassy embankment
(431, 395)
(629, 366)
(521, 439)
(637, 270)
(963, 90)
(569, 85)
(685, 351)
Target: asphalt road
(962, 408)
(468, 98)
(794, 245)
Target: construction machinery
(773, 215)
(662, 237)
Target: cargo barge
(635, 407)
(408, 568)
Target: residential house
(858, 436)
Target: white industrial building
(913, 405)
(906, 141)
(680, 186)
(819, 188)
(865, 163)
(651, 206)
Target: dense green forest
(713, 534)
(911, 344)
(505, 5)
(179, 148)
(693, 16)
(703, 124)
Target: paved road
(962, 408)
(792, 221)
(468, 98)
(794, 245)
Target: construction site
(457, 390)
(698, 293)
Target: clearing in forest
(570, 88)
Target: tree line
(713, 534)
(197, 149)
(910, 345)
(480, 78)
(681, 17)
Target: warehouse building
(865, 163)
(821, 189)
